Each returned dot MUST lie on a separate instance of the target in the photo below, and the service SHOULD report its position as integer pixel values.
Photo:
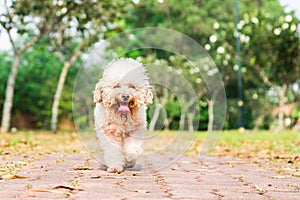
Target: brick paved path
(77, 176)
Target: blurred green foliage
(35, 87)
(270, 59)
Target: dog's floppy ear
(98, 93)
(147, 94)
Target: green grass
(231, 136)
(286, 142)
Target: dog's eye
(132, 86)
(117, 86)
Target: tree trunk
(155, 117)
(258, 121)
(182, 122)
(282, 92)
(190, 122)
(57, 96)
(161, 104)
(167, 124)
(60, 85)
(9, 94)
(210, 114)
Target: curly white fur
(121, 96)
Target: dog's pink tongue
(123, 109)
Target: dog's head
(124, 87)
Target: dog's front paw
(115, 169)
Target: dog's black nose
(125, 97)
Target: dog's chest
(119, 132)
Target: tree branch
(12, 41)
(30, 43)
(8, 28)
(263, 76)
(43, 28)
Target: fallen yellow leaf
(54, 191)
(14, 176)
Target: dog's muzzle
(124, 105)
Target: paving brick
(187, 178)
